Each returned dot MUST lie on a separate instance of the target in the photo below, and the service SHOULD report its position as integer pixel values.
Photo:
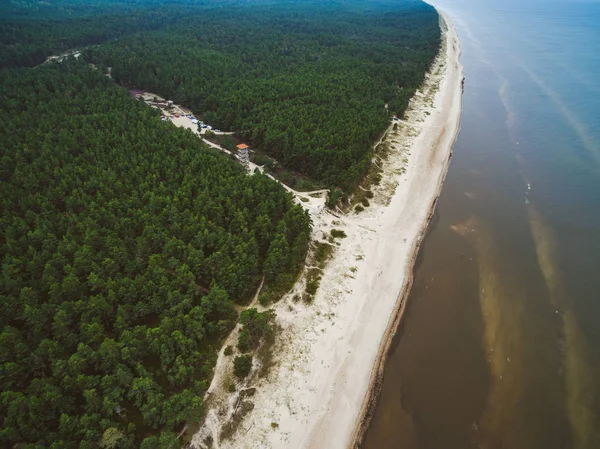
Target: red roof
(242, 146)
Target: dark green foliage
(304, 82)
(242, 365)
(313, 285)
(125, 241)
(288, 245)
(228, 350)
(167, 440)
(29, 40)
(338, 233)
(125, 244)
(261, 159)
(264, 299)
(333, 198)
(257, 325)
(323, 252)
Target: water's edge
(373, 393)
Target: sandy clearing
(329, 355)
(61, 57)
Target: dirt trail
(314, 205)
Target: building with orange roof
(243, 155)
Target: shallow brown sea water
(498, 347)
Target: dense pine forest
(32, 30)
(306, 82)
(126, 242)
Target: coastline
(329, 356)
(376, 380)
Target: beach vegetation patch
(242, 365)
(243, 407)
(256, 327)
(231, 388)
(338, 233)
(333, 198)
(264, 354)
(313, 285)
(321, 253)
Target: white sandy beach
(329, 354)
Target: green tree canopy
(126, 244)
